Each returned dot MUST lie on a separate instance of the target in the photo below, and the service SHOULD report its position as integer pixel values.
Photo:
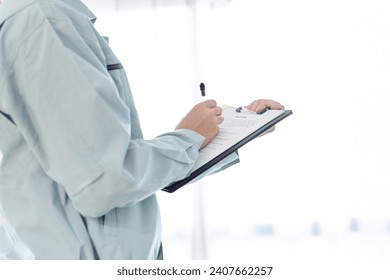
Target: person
(77, 179)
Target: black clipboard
(178, 184)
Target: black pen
(202, 89)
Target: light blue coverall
(77, 179)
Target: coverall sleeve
(78, 127)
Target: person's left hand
(260, 105)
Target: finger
(249, 107)
(260, 105)
(257, 105)
(220, 120)
(272, 129)
(268, 104)
(218, 110)
(211, 103)
(274, 105)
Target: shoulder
(30, 13)
(42, 18)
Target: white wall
(319, 185)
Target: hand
(204, 119)
(260, 105)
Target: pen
(202, 89)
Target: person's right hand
(204, 119)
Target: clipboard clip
(244, 109)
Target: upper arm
(67, 106)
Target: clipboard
(178, 184)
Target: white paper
(234, 128)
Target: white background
(316, 188)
